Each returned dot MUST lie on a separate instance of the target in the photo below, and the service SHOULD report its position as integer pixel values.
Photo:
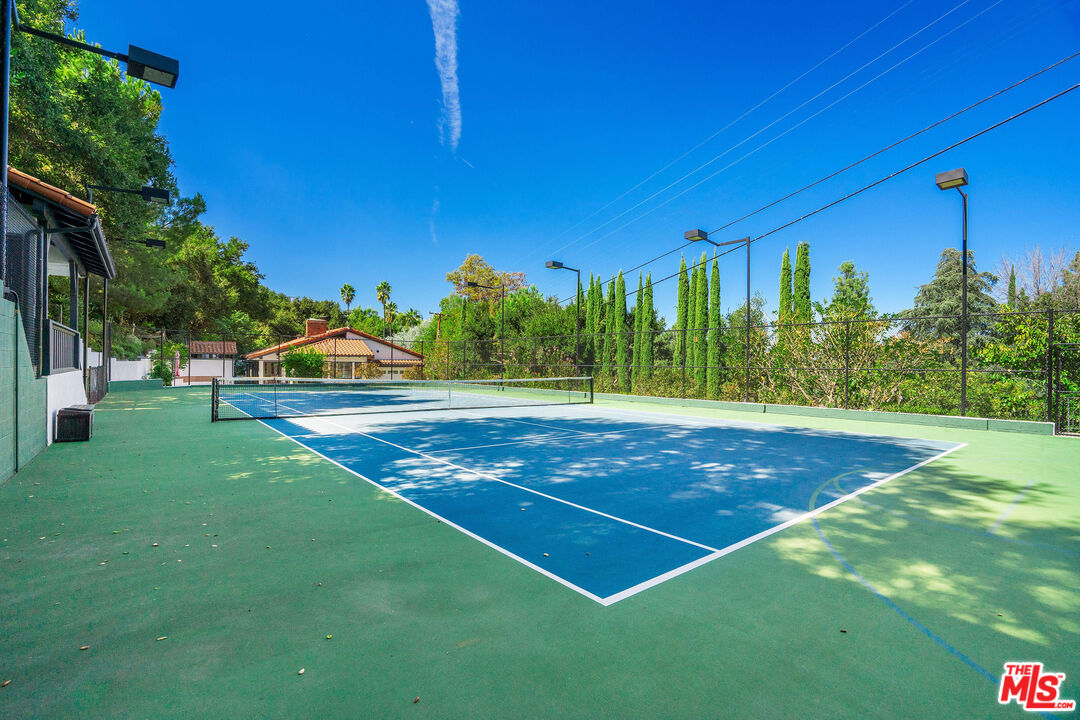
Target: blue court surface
(608, 503)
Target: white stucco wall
(62, 390)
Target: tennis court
(608, 503)
(202, 566)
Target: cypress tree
(1012, 287)
(589, 320)
(785, 289)
(600, 327)
(691, 313)
(647, 338)
(701, 321)
(622, 338)
(713, 355)
(580, 315)
(639, 316)
(680, 314)
(801, 302)
(609, 330)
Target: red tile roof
(58, 196)
(212, 347)
(302, 341)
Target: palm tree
(390, 310)
(411, 318)
(382, 294)
(348, 292)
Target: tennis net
(276, 397)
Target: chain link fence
(1020, 365)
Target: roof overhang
(75, 218)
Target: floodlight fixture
(951, 179)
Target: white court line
(721, 422)
(770, 531)
(459, 528)
(640, 587)
(1008, 511)
(549, 438)
(526, 422)
(490, 476)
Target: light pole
(556, 265)
(947, 181)
(502, 322)
(699, 235)
(141, 64)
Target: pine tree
(701, 321)
(647, 338)
(713, 356)
(785, 289)
(680, 314)
(1012, 288)
(801, 305)
(639, 316)
(622, 338)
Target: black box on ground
(75, 423)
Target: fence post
(847, 364)
(1050, 365)
(422, 359)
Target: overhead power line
(745, 113)
(785, 132)
(886, 178)
(704, 165)
(874, 154)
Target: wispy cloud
(444, 15)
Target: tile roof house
(347, 351)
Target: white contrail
(444, 15)
(431, 220)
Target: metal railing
(63, 348)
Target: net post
(590, 389)
(213, 400)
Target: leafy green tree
(1067, 295)
(1012, 287)
(476, 269)
(801, 304)
(303, 362)
(348, 294)
(713, 374)
(622, 339)
(681, 314)
(851, 295)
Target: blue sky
(326, 141)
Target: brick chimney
(314, 326)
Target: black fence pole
(847, 364)
(1050, 366)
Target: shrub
(303, 363)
